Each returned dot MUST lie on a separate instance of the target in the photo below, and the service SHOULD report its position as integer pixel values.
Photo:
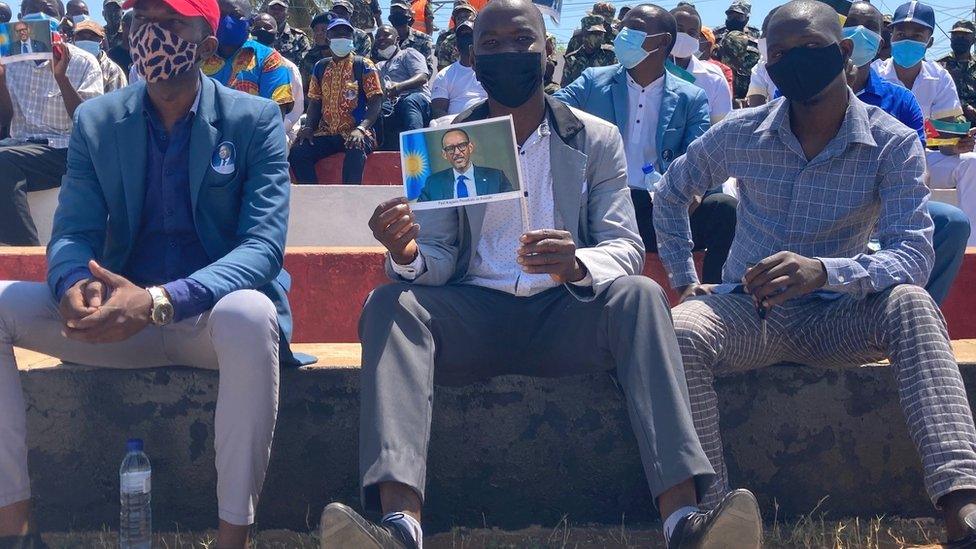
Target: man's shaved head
(813, 15)
(864, 13)
(652, 20)
(497, 10)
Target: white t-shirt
(934, 89)
(458, 85)
(712, 80)
(760, 83)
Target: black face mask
(802, 73)
(735, 24)
(509, 78)
(960, 46)
(264, 36)
(400, 20)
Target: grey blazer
(589, 177)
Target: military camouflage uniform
(422, 43)
(578, 61)
(576, 41)
(720, 33)
(293, 44)
(740, 53)
(446, 50)
(362, 13)
(963, 73)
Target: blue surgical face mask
(233, 32)
(908, 53)
(90, 46)
(629, 47)
(866, 44)
(340, 47)
(40, 16)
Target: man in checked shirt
(817, 170)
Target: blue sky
(713, 14)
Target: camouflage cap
(605, 9)
(740, 6)
(593, 23)
(964, 25)
(463, 6)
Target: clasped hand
(105, 308)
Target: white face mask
(762, 48)
(388, 51)
(684, 46)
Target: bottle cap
(648, 168)
(133, 445)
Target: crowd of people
(795, 155)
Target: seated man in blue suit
(463, 179)
(162, 253)
(659, 115)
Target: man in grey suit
(476, 297)
(463, 179)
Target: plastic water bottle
(135, 489)
(651, 177)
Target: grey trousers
(239, 337)
(415, 336)
(722, 334)
(26, 168)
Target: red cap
(208, 9)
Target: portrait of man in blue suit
(463, 179)
(24, 41)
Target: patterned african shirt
(293, 44)
(255, 69)
(343, 99)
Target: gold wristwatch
(162, 308)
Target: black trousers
(712, 229)
(26, 168)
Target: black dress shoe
(734, 524)
(343, 528)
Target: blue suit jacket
(440, 186)
(683, 117)
(241, 217)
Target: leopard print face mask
(159, 54)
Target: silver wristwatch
(162, 308)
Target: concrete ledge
(511, 452)
(330, 285)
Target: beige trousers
(239, 337)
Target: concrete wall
(321, 215)
(509, 453)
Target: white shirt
(760, 83)
(712, 80)
(934, 89)
(298, 92)
(468, 181)
(640, 130)
(458, 85)
(39, 111)
(494, 263)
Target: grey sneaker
(343, 528)
(734, 524)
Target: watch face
(162, 314)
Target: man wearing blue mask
(819, 171)
(247, 65)
(38, 101)
(90, 36)
(952, 166)
(659, 115)
(952, 228)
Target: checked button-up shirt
(826, 208)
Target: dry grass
(813, 531)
